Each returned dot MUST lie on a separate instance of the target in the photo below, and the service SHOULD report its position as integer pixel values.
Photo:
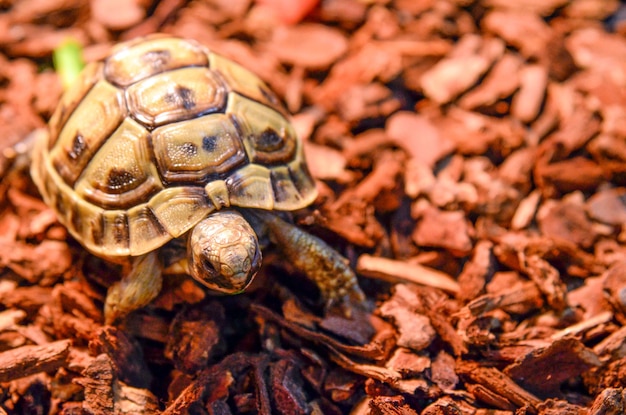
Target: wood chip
(500, 82)
(398, 272)
(419, 137)
(466, 63)
(529, 99)
(498, 385)
(535, 370)
(448, 230)
(416, 332)
(117, 14)
(608, 206)
(566, 221)
(28, 360)
(611, 401)
(309, 45)
(524, 30)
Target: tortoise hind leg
(317, 260)
(136, 289)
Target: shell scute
(114, 230)
(197, 149)
(146, 233)
(179, 208)
(245, 82)
(141, 58)
(90, 75)
(176, 95)
(121, 173)
(107, 228)
(90, 125)
(217, 192)
(302, 180)
(251, 186)
(268, 137)
(284, 188)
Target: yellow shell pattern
(159, 135)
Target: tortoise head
(224, 252)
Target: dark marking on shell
(234, 119)
(120, 228)
(301, 177)
(269, 96)
(150, 144)
(278, 187)
(209, 143)
(62, 112)
(79, 145)
(74, 215)
(59, 203)
(97, 230)
(103, 230)
(157, 59)
(56, 122)
(269, 140)
(148, 213)
(181, 97)
(118, 180)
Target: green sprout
(68, 61)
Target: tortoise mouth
(226, 286)
(226, 282)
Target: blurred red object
(290, 11)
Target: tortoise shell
(157, 136)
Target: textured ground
(471, 162)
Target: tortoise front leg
(317, 260)
(136, 289)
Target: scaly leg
(317, 260)
(135, 290)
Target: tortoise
(165, 140)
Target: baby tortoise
(167, 140)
